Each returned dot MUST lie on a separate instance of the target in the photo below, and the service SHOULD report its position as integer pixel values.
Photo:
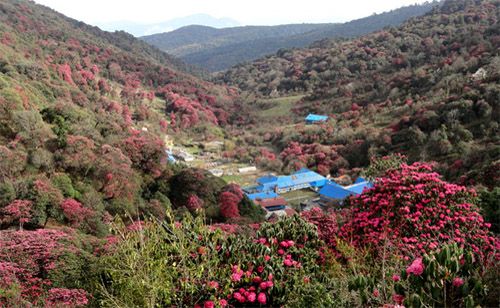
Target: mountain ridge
(229, 46)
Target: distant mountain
(141, 29)
(219, 49)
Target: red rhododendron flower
(262, 298)
(208, 304)
(251, 297)
(398, 298)
(416, 268)
(396, 278)
(240, 298)
(458, 282)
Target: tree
(31, 128)
(78, 155)
(415, 211)
(75, 212)
(229, 205)
(19, 210)
(114, 171)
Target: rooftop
(302, 176)
(333, 190)
(316, 117)
(262, 195)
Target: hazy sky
(247, 12)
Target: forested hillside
(428, 89)
(219, 49)
(93, 215)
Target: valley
(327, 165)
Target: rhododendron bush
(205, 267)
(416, 211)
(43, 266)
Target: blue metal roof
(334, 191)
(358, 188)
(303, 176)
(359, 180)
(262, 195)
(316, 117)
(267, 179)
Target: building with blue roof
(359, 187)
(170, 157)
(303, 178)
(333, 192)
(315, 118)
(262, 195)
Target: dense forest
(219, 49)
(92, 214)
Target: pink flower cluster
(416, 211)
(26, 257)
(416, 267)
(59, 297)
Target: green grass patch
(277, 106)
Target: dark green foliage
(250, 210)
(450, 278)
(489, 203)
(197, 182)
(219, 49)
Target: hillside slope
(428, 89)
(83, 116)
(219, 49)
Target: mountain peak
(148, 28)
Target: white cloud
(255, 12)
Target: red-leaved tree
(19, 210)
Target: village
(278, 195)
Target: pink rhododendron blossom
(396, 278)
(208, 304)
(240, 298)
(398, 298)
(262, 298)
(213, 284)
(416, 268)
(458, 282)
(251, 297)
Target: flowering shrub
(322, 158)
(34, 263)
(75, 212)
(204, 267)
(59, 297)
(19, 210)
(445, 277)
(229, 204)
(417, 212)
